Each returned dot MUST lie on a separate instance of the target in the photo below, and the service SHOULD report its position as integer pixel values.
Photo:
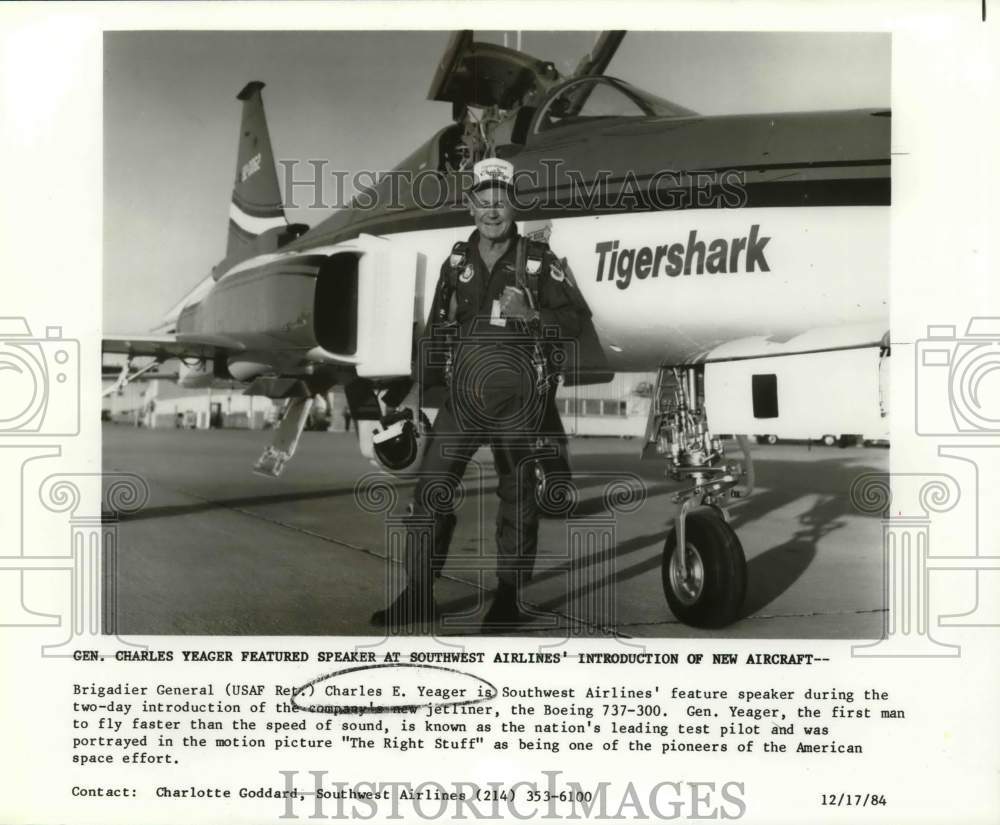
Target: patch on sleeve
(556, 271)
(467, 274)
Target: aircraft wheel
(711, 594)
(771, 439)
(829, 440)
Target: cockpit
(583, 101)
(504, 100)
(575, 104)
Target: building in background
(159, 403)
(618, 408)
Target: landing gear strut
(293, 420)
(704, 568)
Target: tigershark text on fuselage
(720, 255)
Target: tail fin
(256, 205)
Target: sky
(359, 101)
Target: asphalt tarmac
(219, 550)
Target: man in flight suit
(497, 296)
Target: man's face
(492, 212)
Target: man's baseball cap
(492, 172)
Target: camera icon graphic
(958, 380)
(39, 381)
(524, 362)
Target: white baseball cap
(492, 172)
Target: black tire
(771, 439)
(829, 440)
(715, 598)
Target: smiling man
(501, 304)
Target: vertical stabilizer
(256, 205)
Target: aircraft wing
(112, 373)
(823, 339)
(160, 347)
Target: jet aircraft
(742, 257)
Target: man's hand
(513, 304)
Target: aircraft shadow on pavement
(773, 571)
(207, 505)
(770, 573)
(573, 568)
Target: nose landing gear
(705, 582)
(705, 586)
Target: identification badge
(495, 318)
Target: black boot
(410, 607)
(504, 614)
